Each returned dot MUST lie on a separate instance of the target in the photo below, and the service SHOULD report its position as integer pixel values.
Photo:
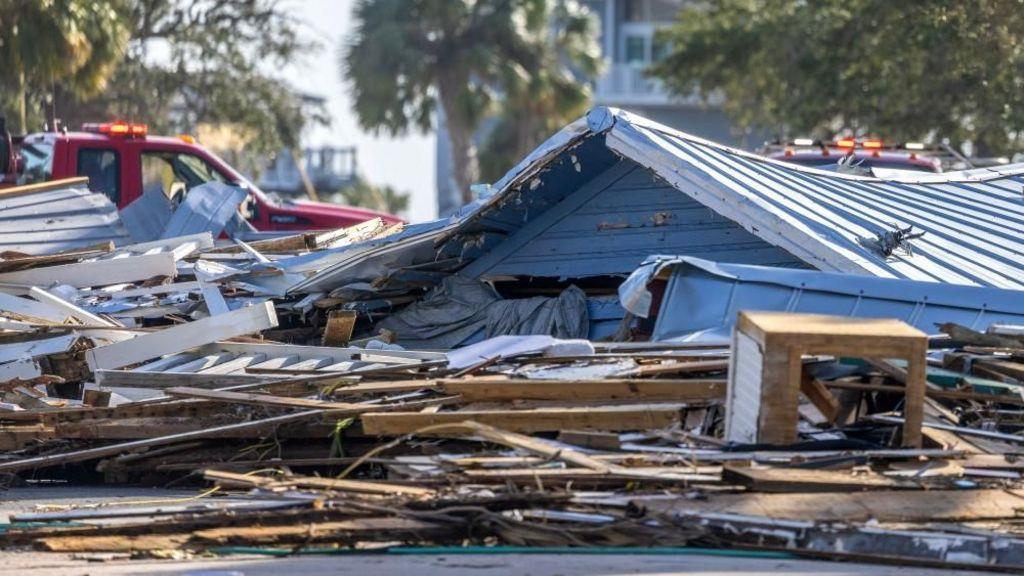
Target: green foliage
(173, 64)
(905, 70)
(541, 101)
(407, 56)
(380, 198)
(76, 43)
(337, 435)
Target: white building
(630, 45)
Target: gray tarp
(459, 308)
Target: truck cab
(122, 161)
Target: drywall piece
(207, 208)
(97, 273)
(184, 336)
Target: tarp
(459, 308)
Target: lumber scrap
(882, 506)
(612, 389)
(239, 322)
(552, 419)
(258, 399)
(803, 480)
(340, 484)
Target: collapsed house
(596, 199)
(777, 386)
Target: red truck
(122, 161)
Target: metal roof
(971, 219)
(826, 220)
(701, 298)
(62, 218)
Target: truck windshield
(38, 159)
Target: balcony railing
(624, 84)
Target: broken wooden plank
(619, 389)
(360, 486)
(114, 449)
(258, 399)
(72, 311)
(338, 330)
(806, 480)
(882, 506)
(178, 338)
(676, 368)
(612, 418)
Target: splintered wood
(193, 361)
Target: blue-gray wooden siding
(614, 221)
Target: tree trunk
(460, 135)
(22, 104)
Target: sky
(407, 163)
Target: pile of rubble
(386, 386)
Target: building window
(103, 168)
(636, 49)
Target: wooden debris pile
(622, 446)
(187, 362)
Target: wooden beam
(98, 273)
(882, 506)
(259, 399)
(114, 449)
(628, 417)
(251, 481)
(178, 338)
(632, 389)
(801, 480)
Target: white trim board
(98, 273)
(182, 337)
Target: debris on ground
(347, 390)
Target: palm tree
(539, 102)
(77, 43)
(408, 55)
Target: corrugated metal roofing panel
(702, 298)
(63, 218)
(971, 219)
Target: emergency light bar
(119, 129)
